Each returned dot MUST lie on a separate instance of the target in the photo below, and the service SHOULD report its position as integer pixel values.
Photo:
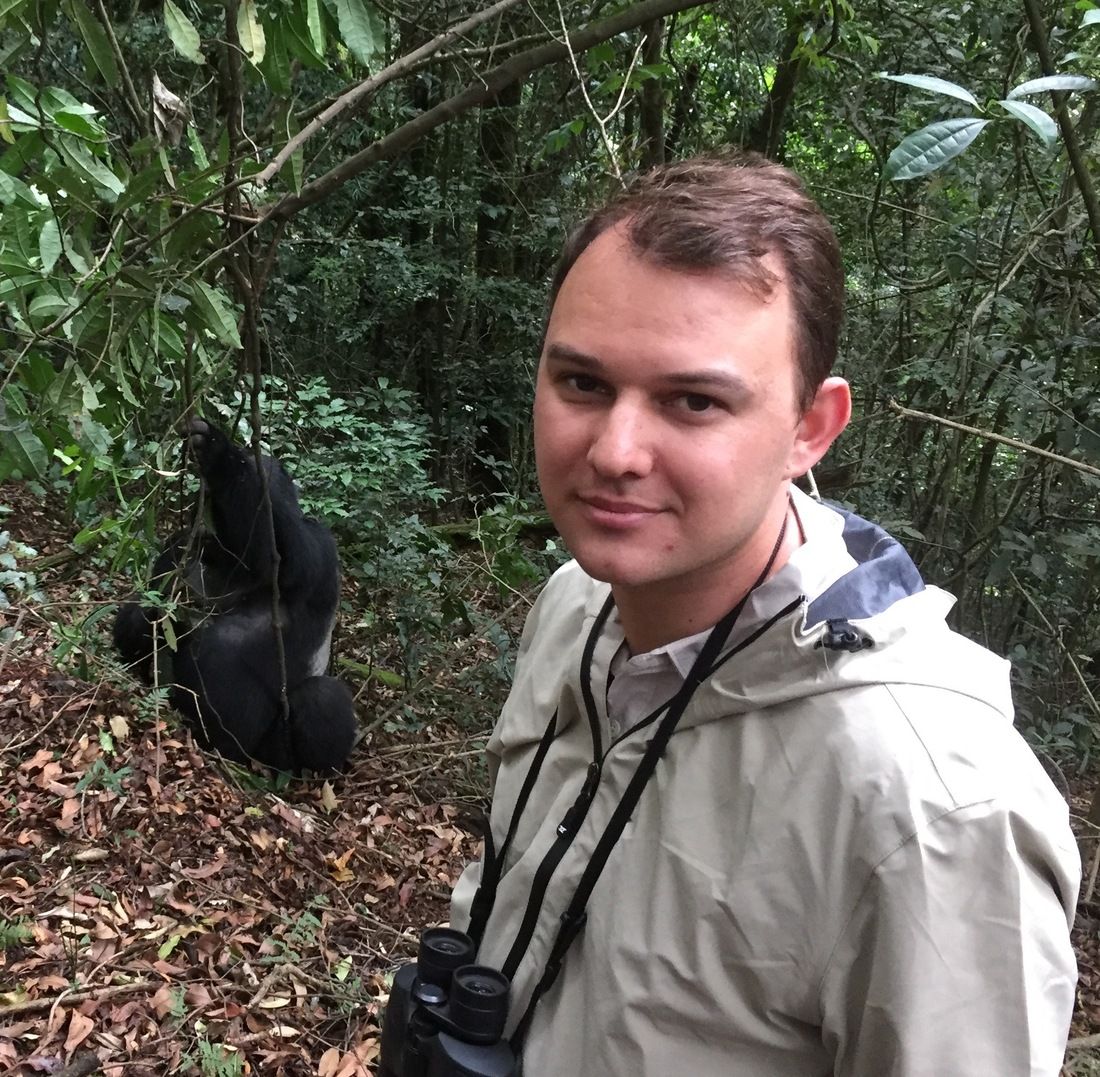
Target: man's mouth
(613, 512)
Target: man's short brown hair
(724, 212)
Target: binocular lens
(442, 950)
(479, 1000)
(480, 987)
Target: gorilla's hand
(205, 442)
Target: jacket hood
(876, 622)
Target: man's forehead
(760, 273)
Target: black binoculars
(446, 1016)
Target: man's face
(667, 423)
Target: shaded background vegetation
(169, 240)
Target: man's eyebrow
(565, 353)
(713, 379)
(690, 379)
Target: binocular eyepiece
(446, 1016)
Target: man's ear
(819, 426)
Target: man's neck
(655, 615)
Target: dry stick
(482, 89)
(358, 93)
(266, 503)
(601, 121)
(141, 116)
(74, 998)
(1012, 443)
(242, 268)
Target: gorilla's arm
(307, 553)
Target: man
(757, 810)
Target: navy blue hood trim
(883, 575)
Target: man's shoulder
(915, 749)
(566, 601)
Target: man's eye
(583, 383)
(696, 402)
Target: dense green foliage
(378, 292)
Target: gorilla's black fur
(224, 673)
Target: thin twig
(74, 998)
(1012, 443)
(601, 121)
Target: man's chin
(614, 572)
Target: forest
(330, 226)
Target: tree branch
(1065, 125)
(1012, 443)
(75, 998)
(487, 86)
(357, 94)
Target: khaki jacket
(847, 863)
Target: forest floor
(161, 912)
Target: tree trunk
(766, 135)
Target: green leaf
(168, 946)
(1091, 18)
(296, 164)
(95, 38)
(95, 171)
(276, 66)
(20, 448)
(18, 116)
(139, 188)
(934, 85)
(77, 260)
(1064, 83)
(9, 7)
(250, 32)
(927, 149)
(1035, 118)
(12, 263)
(79, 124)
(316, 26)
(183, 34)
(49, 245)
(216, 313)
(5, 123)
(13, 189)
(45, 308)
(198, 151)
(360, 28)
(298, 42)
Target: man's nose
(622, 446)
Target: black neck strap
(575, 915)
(573, 920)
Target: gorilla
(223, 672)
